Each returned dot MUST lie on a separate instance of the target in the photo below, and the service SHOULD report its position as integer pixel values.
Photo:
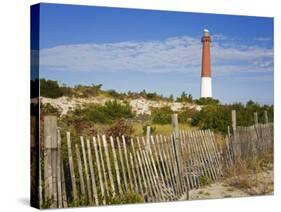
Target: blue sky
(128, 49)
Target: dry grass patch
(254, 177)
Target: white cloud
(181, 54)
(263, 39)
(218, 37)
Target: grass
(248, 175)
(205, 180)
(165, 129)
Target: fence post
(71, 167)
(148, 130)
(35, 158)
(80, 171)
(256, 118)
(175, 124)
(265, 117)
(233, 116)
(176, 145)
(233, 140)
(50, 160)
(59, 182)
(88, 184)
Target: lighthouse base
(206, 87)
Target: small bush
(112, 110)
(117, 110)
(205, 180)
(161, 115)
(82, 127)
(50, 89)
(213, 117)
(120, 128)
(151, 96)
(127, 197)
(67, 91)
(116, 94)
(218, 117)
(152, 129)
(186, 115)
(185, 98)
(85, 91)
(207, 101)
(48, 109)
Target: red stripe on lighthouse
(206, 57)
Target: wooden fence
(250, 142)
(94, 171)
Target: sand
(259, 184)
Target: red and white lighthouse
(206, 79)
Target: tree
(143, 93)
(214, 117)
(171, 97)
(98, 86)
(161, 115)
(184, 97)
(190, 98)
(207, 101)
(218, 117)
(50, 88)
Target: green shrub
(161, 115)
(151, 95)
(85, 91)
(218, 117)
(112, 110)
(48, 109)
(118, 110)
(50, 89)
(204, 180)
(152, 129)
(127, 197)
(186, 115)
(207, 101)
(185, 98)
(212, 117)
(67, 91)
(116, 94)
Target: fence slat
(59, 170)
(108, 165)
(89, 190)
(145, 171)
(122, 164)
(103, 166)
(133, 173)
(80, 171)
(99, 171)
(71, 167)
(93, 178)
(116, 165)
(127, 162)
(63, 189)
(138, 177)
(142, 173)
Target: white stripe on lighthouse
(206, 87)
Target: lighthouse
(206, 79)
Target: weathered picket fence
(248, 142)
(94, 171)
